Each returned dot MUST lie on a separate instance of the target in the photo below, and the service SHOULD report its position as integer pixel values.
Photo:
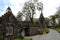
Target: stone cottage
(13, 28)
(10, 24)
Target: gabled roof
(9, 17)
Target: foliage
(40, 31)
(43, 31)
(30, 7)
(58, 29)
(47, 20)
(53, 20)
(58, 25)
(19, 16)
(46, 30)
(56, 16)
(29, 10)
(23, 39)
(1, 37)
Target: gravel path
(52, 35)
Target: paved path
(52, 35)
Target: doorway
(26, 31)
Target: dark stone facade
(10, 24)
(13, 28)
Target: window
(9, 29)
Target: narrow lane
(52, 35)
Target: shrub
(46, 30)
(43, 31)
(40, 31)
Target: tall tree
(19, 16)
(53, 20)
(57, 15)
(29, 10)
(30, 7)
(47, 20)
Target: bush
(46, 30)
(40, 31)
(43, 31)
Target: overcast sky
(50, 6)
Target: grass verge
(58, 30)
(23, 39)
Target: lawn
(23, 39)
(58, 30)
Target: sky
(49, 7)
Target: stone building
(13, 28)
(33, 29)
(10, 24)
